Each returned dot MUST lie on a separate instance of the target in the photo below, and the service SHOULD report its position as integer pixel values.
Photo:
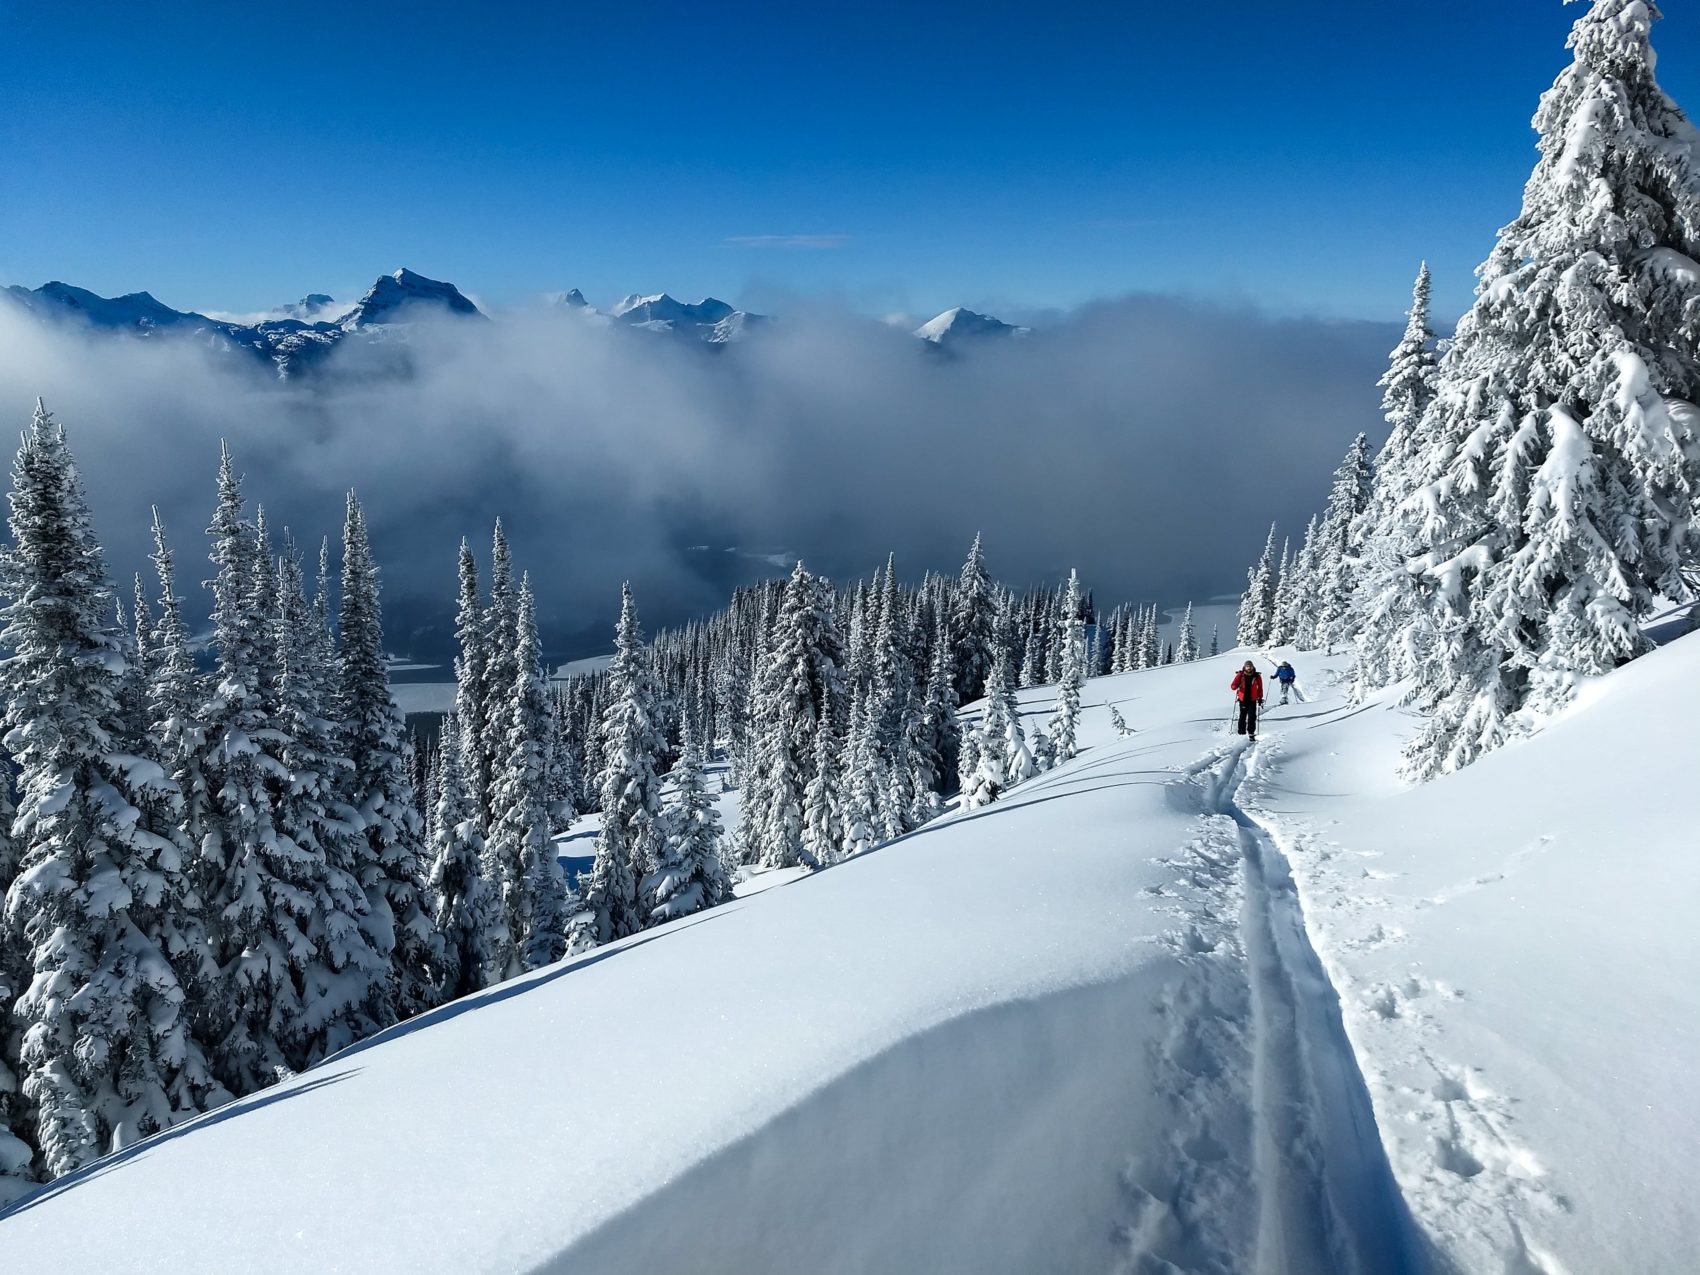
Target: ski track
(1464, 1171)
(1273, 1164)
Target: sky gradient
(894, 158)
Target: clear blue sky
(1008, 156)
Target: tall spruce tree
(1562, 465)
(253, 874)
(1340, 544)
(971, 622)
(629, 841)
(689, 875)
(391, 868)
(533, 892)
(800, 688)
(1257, 604)
(107, 1055)
(341, 977)
(1065, 720)
(468, 912)
(1385, 606)
(472, 691)
(497, 635)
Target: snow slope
(1517, 948)
(1091, 1027)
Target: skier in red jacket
(1248, 689)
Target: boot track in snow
(1326, 1196)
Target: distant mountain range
(297, 337)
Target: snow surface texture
(1092, 1027)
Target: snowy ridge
(293, 342)
(1103, 996)
(296, 337)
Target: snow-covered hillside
(1178, 1005)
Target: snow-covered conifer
(689, 875)
(629, 841)
(1065, 720)
(468, 914)
(1558, 484)
(107, 1054)
(1258, 602)
(971, 623)
(528, 876)
(391, 868)
(472, 692)
(1387, 618)
(1187, 651)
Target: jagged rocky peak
(391, 298)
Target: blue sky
(894, 157)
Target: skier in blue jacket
(1286, 677)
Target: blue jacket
(1285, 674)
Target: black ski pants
(1248, 717)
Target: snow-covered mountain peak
(710, 319)
(662, 308)
(392, 293)
(959, 323)
(573, 298)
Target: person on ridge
(1285, 676)
(1248, 689)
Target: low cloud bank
(1147, 440)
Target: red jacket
(1248, 688)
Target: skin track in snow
(1327, 1200)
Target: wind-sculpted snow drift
(1178, 1005)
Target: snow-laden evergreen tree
(1065, 720)
(936, 751)
(1187, 651)
(468, 913)
(392, 870)
(1297, 601)
(472, 692)
(799, 688)
(1257, 604)
(1003, 743)
(16, 1155)
(629, 842)
(176, 693)
(823, 803)
(532, 890)
(1334, 572)
(1281, 614)
(339, 979)
(690, 875)
(986, 783)
(894, 709)
(1215, 640)
(1386, 613)
(1563, 442)
(98, 900)
(255, 877)
(497, 632)
(861, 784)
(561, 782)
(971, 623)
